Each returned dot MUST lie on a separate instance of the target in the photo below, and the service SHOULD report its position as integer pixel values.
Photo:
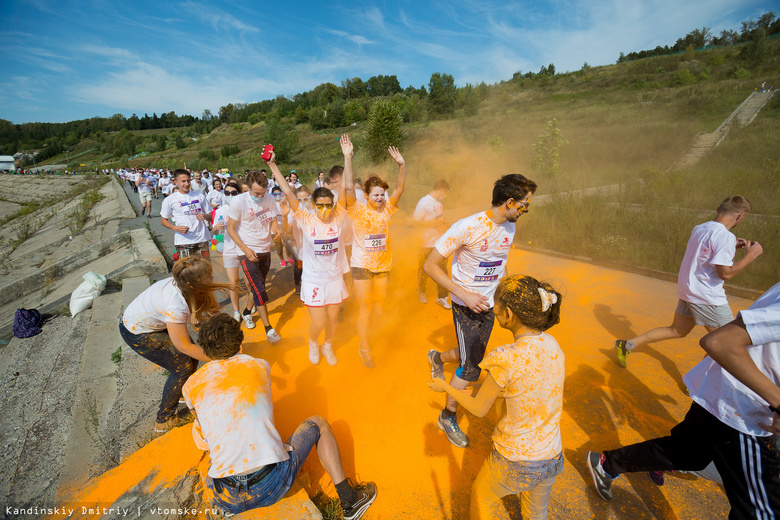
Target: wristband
(774, 409)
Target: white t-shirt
(221, 216)
(168, 188)
(235, 415)
(215, 198)
(254, 221)
(146, 184)
(530, 373)
(429, 209)
(360, 196)
(722, 394)
(184, 208)
(322, 250)
(153, 309)
(481, 250)
(710, 245)
(197, 186)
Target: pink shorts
(322, 294)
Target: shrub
(383, 129)
(684, 77)
(207, 154)
(229, 150)
(740, 73)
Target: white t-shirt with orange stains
(153, 309)
(234, 415)
(429, 209)
(254, 221)
(530, 373)
(322, 246)
(481, 250)
(371, 245)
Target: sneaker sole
(362, 510)
(593, 476)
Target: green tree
(469, 100)
(547, 148)
(283, 136)
(383, 128)
(441, 96)
(757, 49)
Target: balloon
(175, 256)
(220, 238)
(214, 242)
(213, 247)
(220, 247)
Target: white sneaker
(443, 302)
(272, 336)
(421, 296)
(237, 316)
(314, 353)
(250, 323)
(330, 357)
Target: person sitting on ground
(707, 264)
(528, 374)
(234, 420)
(155, 326)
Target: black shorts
(358, 273)
(473, 332)
(256, 273)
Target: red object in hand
(175, 256)
(267, 152)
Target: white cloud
(216, 17)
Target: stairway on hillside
(704, 143)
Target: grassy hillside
(620, 124)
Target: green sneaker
(622, 351)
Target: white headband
(548, 299)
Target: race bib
(264, 217)
(328, 246)
(192, 208)
(488, 271)
(374, 243)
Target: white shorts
(322, 294)
(712, 316)
(145, 197)
(230, 261)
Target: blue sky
(64, 60)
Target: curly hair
(374, 182)
(522, 296)
(220, 336)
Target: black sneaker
(601, 479)
(366, 494)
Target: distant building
(7, 163)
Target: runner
(249, 466)
(429, 213)
(371, 258)
(324, 263)
(735, 412)
(280, 241)
(155, 326)
(480, 245)
(215, 194)
(320, 182)
(190, 212)
(229, 249)
(707, 264)
(293, 229)
(252, 226)
(528, 375)
(144, 185)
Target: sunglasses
(231, 192)
(323, 206)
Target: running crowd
(337, 238)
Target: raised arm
(282, 182)
(399, 183)
(348, 179)
(752, 251)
